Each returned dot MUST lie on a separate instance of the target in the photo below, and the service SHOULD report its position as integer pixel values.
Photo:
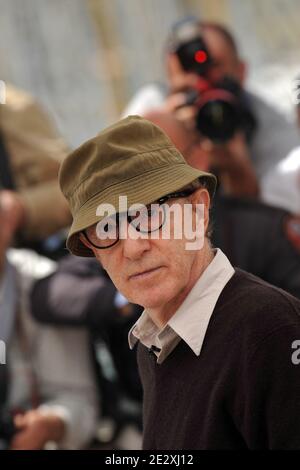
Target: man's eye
(106, 228)
(151, 211)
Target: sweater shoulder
(243, 284)
(256, 305)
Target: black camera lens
(218, 120)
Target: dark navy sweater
(243, 391)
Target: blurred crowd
(68, 379)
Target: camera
(222, 107)
(194, 56)
(222, 110)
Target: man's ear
(201, 196)
(84, 241)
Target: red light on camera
(200, 57)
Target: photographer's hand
(35, 429)
(176, 104)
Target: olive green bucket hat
(132, 158)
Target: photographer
(206, 79)
(47, 385)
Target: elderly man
(222, 372)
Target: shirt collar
(191, 319)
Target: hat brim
(143, 189)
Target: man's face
(154, 273)
(225, 63)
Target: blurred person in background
(47, 386)
(206, 89)
(241, 226)
(282, 182)
(79, 294)
(30, 156)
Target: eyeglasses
(146, 219)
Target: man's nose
(135, 244)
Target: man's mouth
(144, 274)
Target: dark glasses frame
(162, 200)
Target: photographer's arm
(75, 295)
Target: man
(276, 242)
(271, 138)
(31, 153)
(47, 388)
(221, 374)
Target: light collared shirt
(190, 321)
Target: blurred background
(84, 59)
